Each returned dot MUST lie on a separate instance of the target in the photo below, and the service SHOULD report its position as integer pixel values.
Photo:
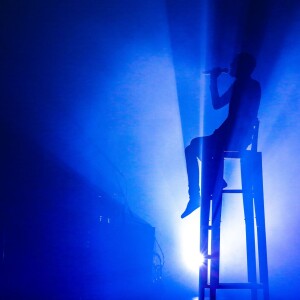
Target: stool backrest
(253, 144)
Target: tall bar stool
(253, 203)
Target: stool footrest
(248, 285)
(232, 191)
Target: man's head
(242, 65)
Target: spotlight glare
(200, 259)
(189, 243)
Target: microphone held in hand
(216, 71)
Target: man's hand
(216, 72)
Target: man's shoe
(191, 206)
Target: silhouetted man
(243, 98)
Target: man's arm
(217, 100)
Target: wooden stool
(253, 202)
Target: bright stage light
(200, 259)
(190, 239)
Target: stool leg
(246, 172)
(206, 182)
(216, 223)
(215, 246)
(204, 223)
(213, 293)
(260, 222)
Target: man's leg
(202, 148)
(192, 167)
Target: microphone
(218, 70)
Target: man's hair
(246, 62)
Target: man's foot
(219, 188)
(192, 205)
